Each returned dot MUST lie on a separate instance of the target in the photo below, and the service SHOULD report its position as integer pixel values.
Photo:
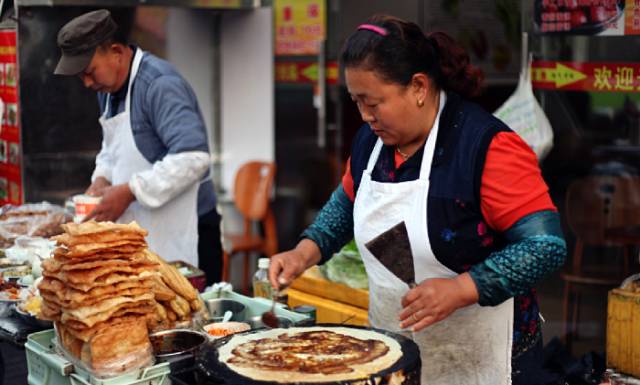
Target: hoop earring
(420, 103)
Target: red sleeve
(347, 182)
(512, 185)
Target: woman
(481, 225)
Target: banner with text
(587, 17)
(10, 148)
(573, 76)
(300, 26)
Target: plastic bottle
(261, 284)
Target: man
(154, 160)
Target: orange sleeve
(347, 182)
(512, 185)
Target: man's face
(101, 74)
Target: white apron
(473, 345)
(173, 228)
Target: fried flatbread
(91, 275)
(64, 293)
(84, 250)
(106, 305)
(86, 333)
(108, 236)
(120, 348)
(144, 307)
(92, 227)
(80, 264)
(91, 300)
(49, 311)
(110, 279)
(51, 266)
(69, 342)
(121, 252)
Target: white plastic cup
(84, 204)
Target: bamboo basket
(623, 331)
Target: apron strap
(429, 148)
(137, 59)
(373, 158)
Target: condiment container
(84, 204)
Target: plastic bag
(31, 219)
(523, 114)
(346, 267)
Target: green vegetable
(346, 267)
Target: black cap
(79, 38)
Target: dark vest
(458, 234)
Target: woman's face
(389, 108)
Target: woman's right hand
(287, 266)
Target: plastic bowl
(223, 329)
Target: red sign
(304, 72)
(572, 76)
(10, 148)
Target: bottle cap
(263, 263)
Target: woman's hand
(287, 266)
(435, 299)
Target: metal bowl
(6, 306)
(176, 342)
(32, 320)
(218, 306)
(256, 322)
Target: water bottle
(261, 284)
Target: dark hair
(117, 38)
(405, 50)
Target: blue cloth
(165, 117)
(536, 247)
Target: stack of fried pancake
(99, 290)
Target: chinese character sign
(587, 17)
(10, 149)
(300, 26)
(572, 76)
(304, 72)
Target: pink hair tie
(374, 28)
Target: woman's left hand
(435, 299)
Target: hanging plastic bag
(523, 114)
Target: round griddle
(208, 363)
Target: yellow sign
(300, 26)
(219, 3)
(7, 50)
(304, 72)
(561, 75)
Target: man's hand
(98, 186)
(115, 200)
(435, 299)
